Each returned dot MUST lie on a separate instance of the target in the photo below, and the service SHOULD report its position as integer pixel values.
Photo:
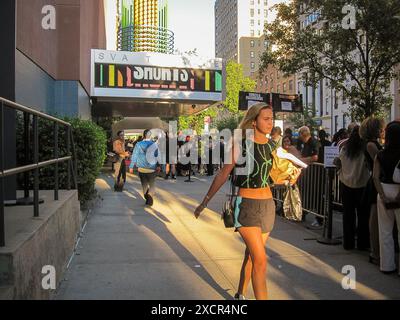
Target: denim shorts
(255, 213)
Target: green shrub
(90, 145)
(230, 122)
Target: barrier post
(328, 210)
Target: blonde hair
(251, 116)
(304, 130)
(371, 127)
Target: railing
(36, 165)
(320, 193)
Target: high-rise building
(250, 52)
(235, 19)
(143, 26)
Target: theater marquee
(155, 76)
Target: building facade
(235, 19)
(273, 81)
(330, 106)
(52, 66)
(143, 26)
(249, 54)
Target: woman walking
(256, 215)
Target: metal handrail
(36, 165)
(24, 109)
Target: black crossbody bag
(228, 209)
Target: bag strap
(232, 186)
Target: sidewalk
(129, 251)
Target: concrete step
(7, 293)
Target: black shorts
(255, 213)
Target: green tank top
(261, 156)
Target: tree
(235, 82)
(228, 113)
(354, 44)
(196, 122)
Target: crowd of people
(369, 152)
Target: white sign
(330, 153)
(287, 106)
(251, 103)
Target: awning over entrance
(138, 125)
(141, 84)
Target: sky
(192, 22)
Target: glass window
(278, 88)
(252, 33)
(291, 85)
(252, 43)
(251, 12)
(252, 65)
(336, 123)
(284, 87)
(252, 55)
(252, 23)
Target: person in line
(309, 146)
(119, 166)
(341, 135)
(372, 131)
(388, 196)
(209, 149)
(287, 144)
(342, 142)
(276, 135)
(255, 208)
(221, 152)
(309, 155)
(144, 157)
(170, 167)
(354, 176)
(323, 142)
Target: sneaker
(150, 200)
(146, 196)
(389, 272)
(316, 224)
(239, 297)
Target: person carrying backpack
(144, 157)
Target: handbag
(113, 157)
(292, 206)
(228, 209)
(396, 174)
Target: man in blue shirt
(144, 157)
